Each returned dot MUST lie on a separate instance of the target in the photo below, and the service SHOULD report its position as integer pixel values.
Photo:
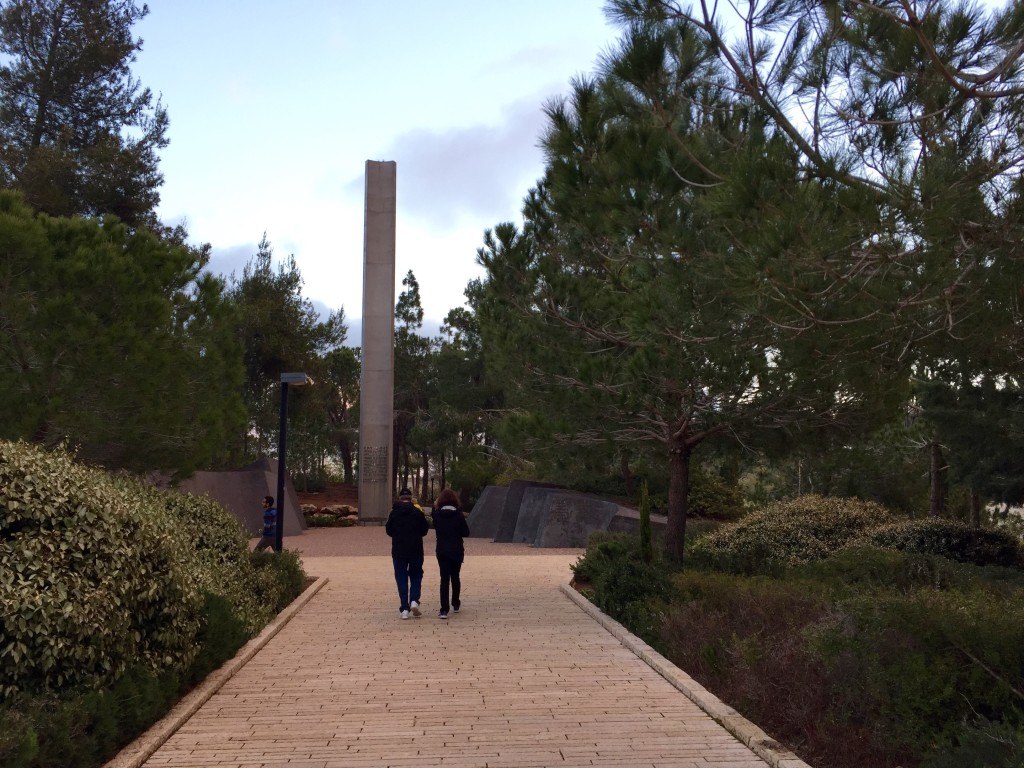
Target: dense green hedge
(115, 597)
(90, 580)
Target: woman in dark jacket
(450, 526)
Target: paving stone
(520, 678)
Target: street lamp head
(296, 379)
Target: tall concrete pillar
(377, 381)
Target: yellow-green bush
(91, 580)
(801, 530)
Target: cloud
(479, 172)
(228, 261)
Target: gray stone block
(569, 518)
(531, 509)
(483, 520)
(627, 520)
(513, 501)
(241, 491)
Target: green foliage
(982, 743)
(91, 579)
(280, 330)
(83, 728)
(712, 497)
(602, 549)
(115, 597)
(119, 345)
(279, 578)
(322, 520)
(646, 546)
(79, 134)
(886, 657)
(949, 539)
(788, 533)
(623, 584)
(100, 572)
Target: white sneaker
(415, 609)
(405, 614)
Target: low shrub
(84, 728)
(114, 598)
(949, 539)
(982, 742)
(788, 533)
(92, 580)
(602, 549)
(279, 578)
(326, 520)
(622, 583)
(850, 671)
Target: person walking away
(269, 525)
(450, 527)
(407, 526)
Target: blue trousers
(408, 579)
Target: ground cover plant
(855, 637)
(115, 598)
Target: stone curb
(140, 750)
(749, 734)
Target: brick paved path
(521, 677)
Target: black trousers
(450, 567)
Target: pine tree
(78, 134)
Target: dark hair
(446, 498)
(268, 500)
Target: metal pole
(282, 436)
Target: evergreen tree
(631, 306)
(280, 331)
(78, 134)
(114, 342)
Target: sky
(275, 107)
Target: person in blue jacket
(407, 526)
(269, 524)
(450, 527)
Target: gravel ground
(371, 540)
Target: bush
(949, 539)
(714, 498)
(602, 549)
(279, 578)
(850, 676)
(623, 585)
(788, 533)
(84, 728)
(91, 579)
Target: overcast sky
(275, 107)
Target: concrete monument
(377, 380)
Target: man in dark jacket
(407, 526)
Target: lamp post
(295, 379)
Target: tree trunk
(678, 498)
(627, 475)
(937, 475)
(425, 487)
(975, 509)
(346, 463)
(444, 476)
